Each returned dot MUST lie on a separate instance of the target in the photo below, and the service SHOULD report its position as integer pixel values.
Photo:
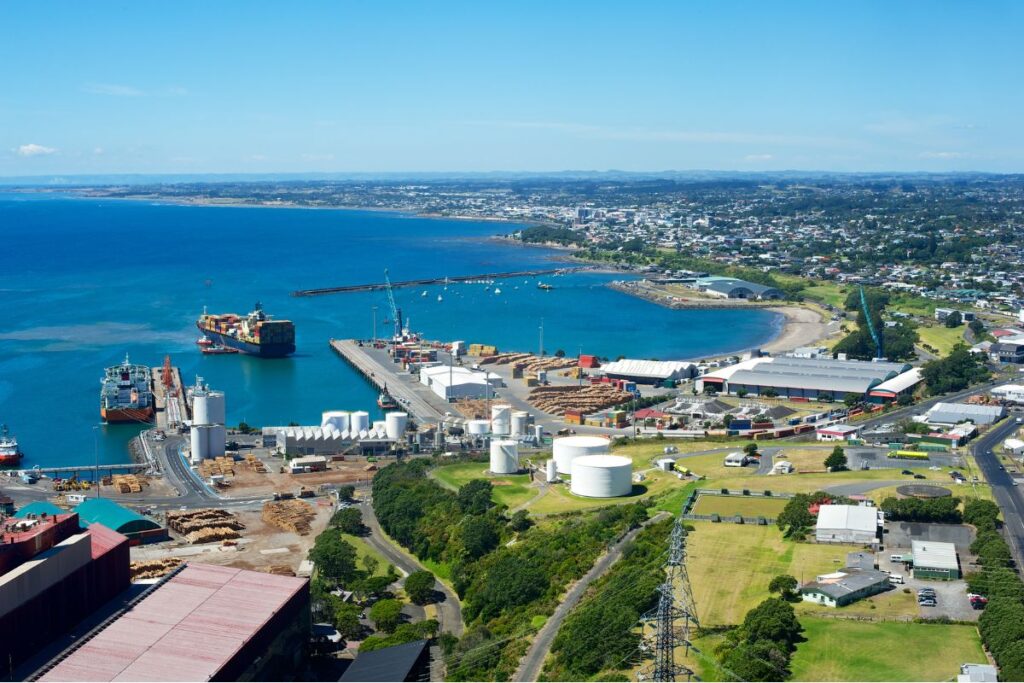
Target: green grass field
(829, 292)
(510, 490)
(729, 506)
(559, 499)
(363, 549)
(941, 337)
(839, 650)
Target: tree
(770, 393)
(957, 371)
(520, 521)
(335, 558)
(479, 536)
(977, 327)
(783, 584)
(750, 449)
(851, 400)
(954, 319)
(741, 393)
(904, 400)
(346, 620)
(386, 614)
(346, 492)
(475, 497)
(560, 353)
(836, 461)
(349, 521)
(983, 514)
(370, 563)
(419, 586)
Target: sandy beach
(802, 327)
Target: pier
(437, 281)
(94, 469)
(380, 372)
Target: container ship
(126, 394)
(255, 334)
(10, 454)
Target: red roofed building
(204, 623)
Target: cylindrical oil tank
(538, 434)
(379, 426)
(504, 456)
(478, 427)
(359, 421)
(602, 476)
(200, 440)
(570, 447)
(520, 423)
(396, 424)
(218, 440)
(501, 419)
(338, 418)
(552, 471)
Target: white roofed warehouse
(649, 371)
(810, 378)
(847, 524)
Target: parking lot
(951, 596)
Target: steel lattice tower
(675, 614)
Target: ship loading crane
(871, 326)
(396, 312)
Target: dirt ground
(246, 482)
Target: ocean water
(87, 281)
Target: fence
(691, 501)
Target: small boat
(217, 349)
(204, 341)
(439, 298)
(10, 454)
(385, 402)
(497, 290)
(424, 293)
(544, 286)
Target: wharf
(437, 281)
(171, 411)
(376, 371)
(75, 469)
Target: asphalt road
(449, 611)
(1009, 497)
(530, 667)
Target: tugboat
(10, 454)
(385, 402)
(204, 342)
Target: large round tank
(504, 456)
(200, 441)
(339, 419)
(570, 447)
(478, 427)
(359, 421)
(520, 423)
(379, 426)
(501, 419)
(396, 424)
(552, 470)
(217, 440)
(602, 476)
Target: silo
(570, 447)
(538, 434)
(379, 426)
(200, 443)
(602, 476)
(215, 408)
(217, 437)
(478, 427)
(501, 419)
(338, 418)
(396, 425)
(552, 471)
(200, 409)
(359, 421)
(504, 456)
(520, 423)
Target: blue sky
(193, 87)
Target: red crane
(166, 376)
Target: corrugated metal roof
(110, 514)
(38, 507)
(658, 369)
(387, 664)
(187, 629)
(786, 380)
(853, 517)
(900, 382)
(934, 555)
(104, 540)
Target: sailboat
(439, 298)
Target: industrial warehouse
(813, 378)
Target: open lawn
(363, 549)
(941, 337)
(730, 566)
(914, 305)
(830, 293)
(889, 605)
(509, 489)
(730, 506)
(649, 450)
(840, 650)
(559, 499)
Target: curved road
(449, 611)
(1009, 497)
(530, 667)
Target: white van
(896, 578)
(895, 558)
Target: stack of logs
(555, 400)
(290, 515)
(206, 525)
(152, 569)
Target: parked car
(920, 476)
(927, 603)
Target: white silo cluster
(395, 425)
(209, 436)
(569, 448)
(504, 456)
(602, 476)
(501, 420)
(478, 427)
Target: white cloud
(112, 89)
(97, 151)
(943, 155)
(34, 150)
(759, 157)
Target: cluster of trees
(598, 635)
(897, 342)
(760, 648)
(796, 519)
(545, 234)
(1002, 623)
(938, 510)
(349, 521)
(503, 587)
(959, 370)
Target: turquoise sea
(87, 281)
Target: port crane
(871, 325)
(396, 312)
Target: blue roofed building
(117, 517)
(733, 288)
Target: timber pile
(474, 408)
(211, 534)
(280, 570)
(290, 515)
(152, 569)
(586, 399)
(255, 464)
(220, 465)
(188, 522)
(529, 362)
(127, 483)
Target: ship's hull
(261, 350)
(9, 460)
(120, 415)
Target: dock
(381, 375)
(92, 469)
(437, 281)
(171, 411)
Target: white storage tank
(602, 476)
(396, 424)
(208, 408)
(339, 419)
(552, 471)
(504, 456)
(379, 426)
(359, 422)
(478, 427)
(538, 434)
(217, 440)
(570, 447)
(520, 423)
(200, 441)
(501, 419)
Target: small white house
(1014, 447)
(837, 432)
(736, 459)
(783, 467)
